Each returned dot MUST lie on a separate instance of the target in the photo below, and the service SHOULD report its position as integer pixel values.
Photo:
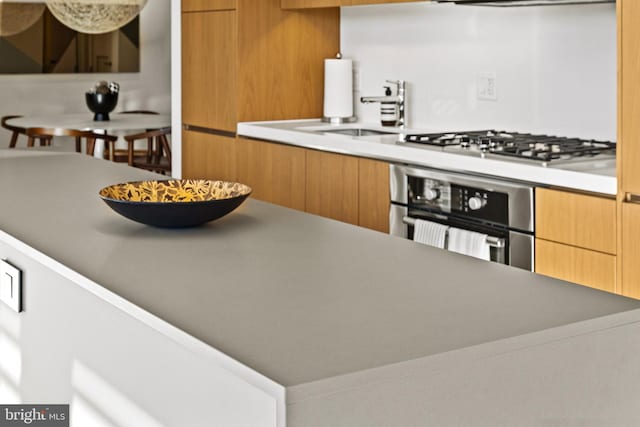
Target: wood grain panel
(577, 265)
(629, 94)
(208, 156)
(332, 186)
(209, 58)
(373, 195)
(282, 53)
(576, 219)
(207, 5)
(630, 255)
(361, 2)
(307, 4)
(275, 172)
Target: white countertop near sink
(592, 176)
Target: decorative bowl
(101, 104)
(175, 203)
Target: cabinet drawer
(203, 5)
(308, 4)
(582, 266)
(576, 219)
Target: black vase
(101, 104)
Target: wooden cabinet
(275, 172)
(628, 148)
(373, 194)
(630, 250)
(207, 5)
(576, 238)
(345, 188)
(577, 265)
(208, 156)
(629, 96)
(307, 4)
(209, 86)
(332, 186)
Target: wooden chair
(157, 156)
(121, 155)
(45, 136)
(17, 131)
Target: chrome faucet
(398, 99)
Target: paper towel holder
(337, 120)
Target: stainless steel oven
(503, 210)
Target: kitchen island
(274, 317)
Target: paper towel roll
(338, 88)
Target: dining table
(119, 124)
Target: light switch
(11, 286)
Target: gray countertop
(296, 297)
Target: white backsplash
(555, 66)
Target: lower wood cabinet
(577, 265)
(373, 194)
(576, 238)
(208, 156)
(275, 172)
(630, 250)
(332, 186)
(308, 4)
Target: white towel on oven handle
(469, 243)
(430, 233)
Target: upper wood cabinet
(308, 4)
(629, 96)
(247, 60)
(209, 68)
(207, 5)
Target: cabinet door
(576, 219)
(373, 195)
(582, 266)
(203, 5)
(209, 57)
(308, 4)
(630, 250)
(275, 172)
(359, 2)
(332, 186)
(208, 156)
(629, 94)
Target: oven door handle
(496, 242)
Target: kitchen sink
(357, 132)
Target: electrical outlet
(487, 86)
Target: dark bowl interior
(175, 203)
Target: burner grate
(542, 148)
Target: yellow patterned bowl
(175, 203)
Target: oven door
(507, 246)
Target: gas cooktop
(540, 148)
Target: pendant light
(95, 16)
(17, 17)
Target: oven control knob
(431, 194)
(476, 203)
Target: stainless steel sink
(357, 132)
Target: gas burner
(543, 148)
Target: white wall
(555, 65)
(148, 89)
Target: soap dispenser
(388, 110)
